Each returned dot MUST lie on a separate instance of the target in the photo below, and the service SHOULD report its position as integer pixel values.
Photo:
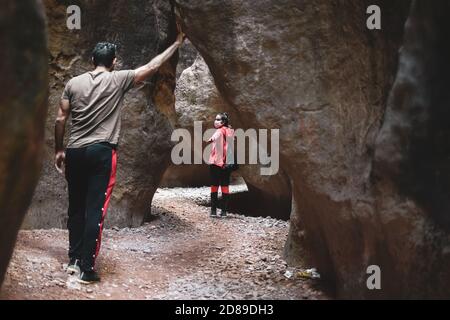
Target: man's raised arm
(146, 71)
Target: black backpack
(233, 166)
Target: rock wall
(313, 70)
(141, 31)
(186, 175)
(411, 168)
(23, 106)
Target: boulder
(411, 169)
(23, 107)
(314, 70)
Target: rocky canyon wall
(313, 70)
(411, 169)
(23, 107)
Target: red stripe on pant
(111, 183)
(224, 189)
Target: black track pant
(91, 175)
(219, 177)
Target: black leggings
(91, 175)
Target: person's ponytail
(225, 119)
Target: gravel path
(180, 254)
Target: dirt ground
(180, 254)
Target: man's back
(95, 105)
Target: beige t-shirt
(95, 106)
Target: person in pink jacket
(220, 174)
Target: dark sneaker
(223, 214)
(88, 277)
(73, 267)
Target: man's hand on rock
(180, 36)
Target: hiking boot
(225, 199)
(73, 267)
(88, 277)
(214, 200)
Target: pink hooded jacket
(219, 148)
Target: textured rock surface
(411, 160)
(141, 31)
(186, 175)
(187, 56)
(23, 106)
(312, 69)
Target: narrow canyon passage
(355, 120)
(180, 254)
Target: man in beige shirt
(94, 102)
